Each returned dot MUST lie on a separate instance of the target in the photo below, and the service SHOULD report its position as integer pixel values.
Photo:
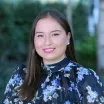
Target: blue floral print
(67, 102)
(65, 82)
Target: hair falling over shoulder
(33, 68)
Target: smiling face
(50, 40)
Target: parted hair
(33, 75)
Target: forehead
(48, 23)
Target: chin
(51, 59)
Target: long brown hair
(33, 68)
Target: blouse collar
(51, 68)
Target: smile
(49, 50)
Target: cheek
(60, 41)
(38, 44)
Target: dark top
(65, 82)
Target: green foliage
(15, 28)
(84, 43)
(25, 12)
(79, 23)
(86, 52)
(6, 24)
(59, 6)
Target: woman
(52, 75)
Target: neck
(53, 61)
(55, 67)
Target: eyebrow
(56, 31)
(39, 32)
(51, 31)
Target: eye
(39, 35)
(55, 34)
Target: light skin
(50, 40)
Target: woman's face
(50, 40)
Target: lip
(49, 50)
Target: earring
(68, 43)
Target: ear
(68, 38)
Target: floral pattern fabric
(65, 82)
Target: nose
(48, 41)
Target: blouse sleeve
(10, 94)
(90, 87)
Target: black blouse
(65, 82)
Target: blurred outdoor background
(86, 18)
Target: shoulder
(89, 85)
(84, 74)
(17, 78)
(14, 82)
(80, 69)
(20, 71)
